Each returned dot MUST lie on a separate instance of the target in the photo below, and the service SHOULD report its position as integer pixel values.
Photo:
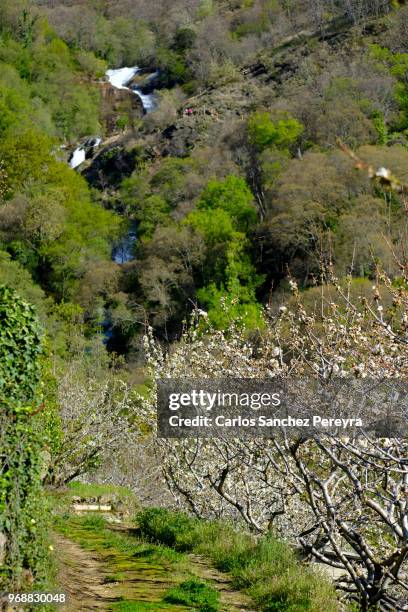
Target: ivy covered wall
(23, 551)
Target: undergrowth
(267, 569)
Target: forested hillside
(234, 180)
(235, 207)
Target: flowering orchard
(342, 501)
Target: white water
(147, 100)
(78, 157)
(120, 79)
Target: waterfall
(77, 157)
(120, 79)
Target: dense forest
(242, 222)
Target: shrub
(165, 527)
(264, 132)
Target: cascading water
(124, 252)
(77, 157)
(120, 79)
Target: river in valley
(119, 78)
(123, 252)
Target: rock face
(181, 140)
(120, 108)
(146, 82)
(110, 167)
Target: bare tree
(343, 501)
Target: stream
(123, 252)
(119, 78)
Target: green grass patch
(169, 528)
(92, 532)
(194, 593)
(140, 571)
(267, 569)
(87, 491)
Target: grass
(86, 490)
(267, 569)
(92, 533)
(122, 498)
(194, 593)
(159, 576)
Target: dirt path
(231, 600)
(86, 577)
(81, 577)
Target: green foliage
(164, 526)
(46, 86)
(173, 68)
(18, 278)
(153, 212)
(235, 302)
(20, 348)
(184, 39)
(206, 8)
(224, 213)
(233, 196)
(194, 593)
(53, 228)
(22, 512)
(265, 132)
(169, 181)
(150, 200)
(62, 223)
(397, 64)
(132, 41)
(381, 127)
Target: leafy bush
(20, 348)
(165, 527)
(264, 132)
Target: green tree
(265, 132)
(234, 197)
(228, 279)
